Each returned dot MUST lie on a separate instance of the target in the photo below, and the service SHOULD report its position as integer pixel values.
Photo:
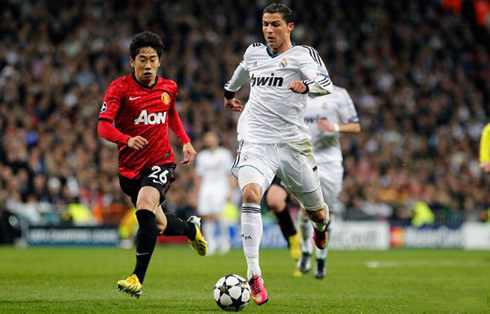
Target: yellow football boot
(199, 243)
(131, 286)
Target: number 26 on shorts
(159, 176)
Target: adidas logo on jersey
(152, 118)
(266, 80)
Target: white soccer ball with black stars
(232, 293)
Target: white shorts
(293, 163)
(331, 176)
(211, 201)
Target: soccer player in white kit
(214, 184)
(327, 117)
(272, 133)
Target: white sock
(251, 233)
(208, 227)
(306, 232)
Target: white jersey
(274, 114)
(337, 108)
(214, 169)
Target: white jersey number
(160, 179)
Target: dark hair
(146, 39)
(286, 12)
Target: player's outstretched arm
(326, 126)
(189, 154)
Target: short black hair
(287, 13)
(146, 39)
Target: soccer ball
(232, 293)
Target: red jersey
(141, 110)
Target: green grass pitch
(83, 280)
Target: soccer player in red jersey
(138, 108)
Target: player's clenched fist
(298, 87)
(233, 104)
(137, 142)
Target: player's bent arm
(345, 128)
(313, 68)
(351, 128)
(176, 125)
(107, 131)
(239, 77)
(318, 87)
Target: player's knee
(145, 203)
(148, 198)
(251, 193)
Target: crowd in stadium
(419, 85)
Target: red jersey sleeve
(112, 102)
(176, 124)
(108, 112)
(106, 130)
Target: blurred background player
(327, 117)
(273, 136)
(485, 149)
(142, 106)
(213, 181)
